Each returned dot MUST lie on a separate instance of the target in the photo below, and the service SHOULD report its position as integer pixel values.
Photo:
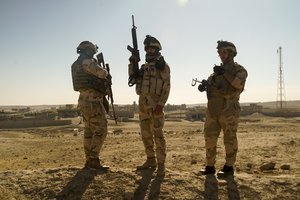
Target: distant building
(196, 113)
(250, 109)
(68, 111)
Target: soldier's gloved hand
(219, 70)
(158, 110)
(202, 86)
(160, 63)
(133, 59)
(141, 72)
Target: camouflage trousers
(95, 124)
(152, 131)
(225, 119)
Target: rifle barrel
(133, 21)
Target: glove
(133, 59)
(202, 86)
(158, 110)
(219, 70)
(160, 63)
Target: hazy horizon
(242, 103)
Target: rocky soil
(47, 163)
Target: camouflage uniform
(223, 89)
(153, 88)
(89, 80)
(223, 113)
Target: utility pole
(281, 103)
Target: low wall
(28, 123)
(282, 114)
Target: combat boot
(149, 164)
(207, 170)
(161, 169)
(226, 171)
(94, 163)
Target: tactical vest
(219, 86)
(151, 82)
(82, 80)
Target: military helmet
(227, 45)
(152, 42)
(87, 45)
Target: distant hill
(295, 104)
(273, 104)
(32, 107)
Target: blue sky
(39, 39)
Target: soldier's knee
(88, 133)
(211, 141)
(211, 135)
(100, 133)
(145, 124)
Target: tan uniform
(223, 112)
(153, 89)
(91, 106)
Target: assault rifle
(101, 62)
(134, 53)
(202, 86)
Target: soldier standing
(223, 89)
(153, 87)
(90, 80)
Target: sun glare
(182, 2)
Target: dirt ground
(47, 163)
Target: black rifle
(135, 53)
(101, 62)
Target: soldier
(153, 87)
(90, 80)
(223, 89)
